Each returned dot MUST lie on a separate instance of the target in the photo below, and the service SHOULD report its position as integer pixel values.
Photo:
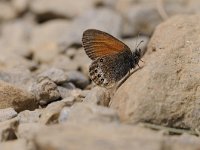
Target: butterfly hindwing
(107, 75)
(99, 44)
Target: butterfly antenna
(139, 44)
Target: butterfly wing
(106, 71)
(99, 44)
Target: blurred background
(38, 33)
(47, 100)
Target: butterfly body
(112, 59)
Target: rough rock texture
(12, 96)
(166, 90)
(7, 113)
(45, 90)
(109, 136)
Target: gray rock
(98, 95)
(17, 76)
(6, 114)
(11, 60)
(15, 37)
(45, 40)
(166, 90)
(45, 91)
(143, 18)
(68, 92)
(56, 75)
(19, 99)
(101, 19)
(30, 116)
(78, 79)
(51, 113)
(65, 63)
(82, 60)
(88, 112)
(64, 113)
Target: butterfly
(111, 58)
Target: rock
(76, 94)
(20, 5)
(98, 95)
(45, 90)
(10, 60)
(56, 75)
(46, 39)
(64, 113)
(165, 91)
(64, 63)
(67, 92)
(82, 60)
(30, 116)
(6, 114)
(88, 112)
(15, 144)
(15, 37)
(17, 76)
(24, 131)
(101, 19)
(78, 79)
(177, 7)
(51, 112)
(143, 18)
(40, 53)
(7, 12)
(8, 129)
(108, 136)
(12, 96)
(62, 8)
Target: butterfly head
(136, 55)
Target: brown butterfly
(112, 59)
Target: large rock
(108, 136)
(166, 90)
(12, 96)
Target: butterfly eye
(102, 80)
(99, 75)
(101, 60)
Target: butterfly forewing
(98, 44)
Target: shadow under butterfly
(111, 58)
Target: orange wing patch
(98, 44)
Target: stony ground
(47, 101)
